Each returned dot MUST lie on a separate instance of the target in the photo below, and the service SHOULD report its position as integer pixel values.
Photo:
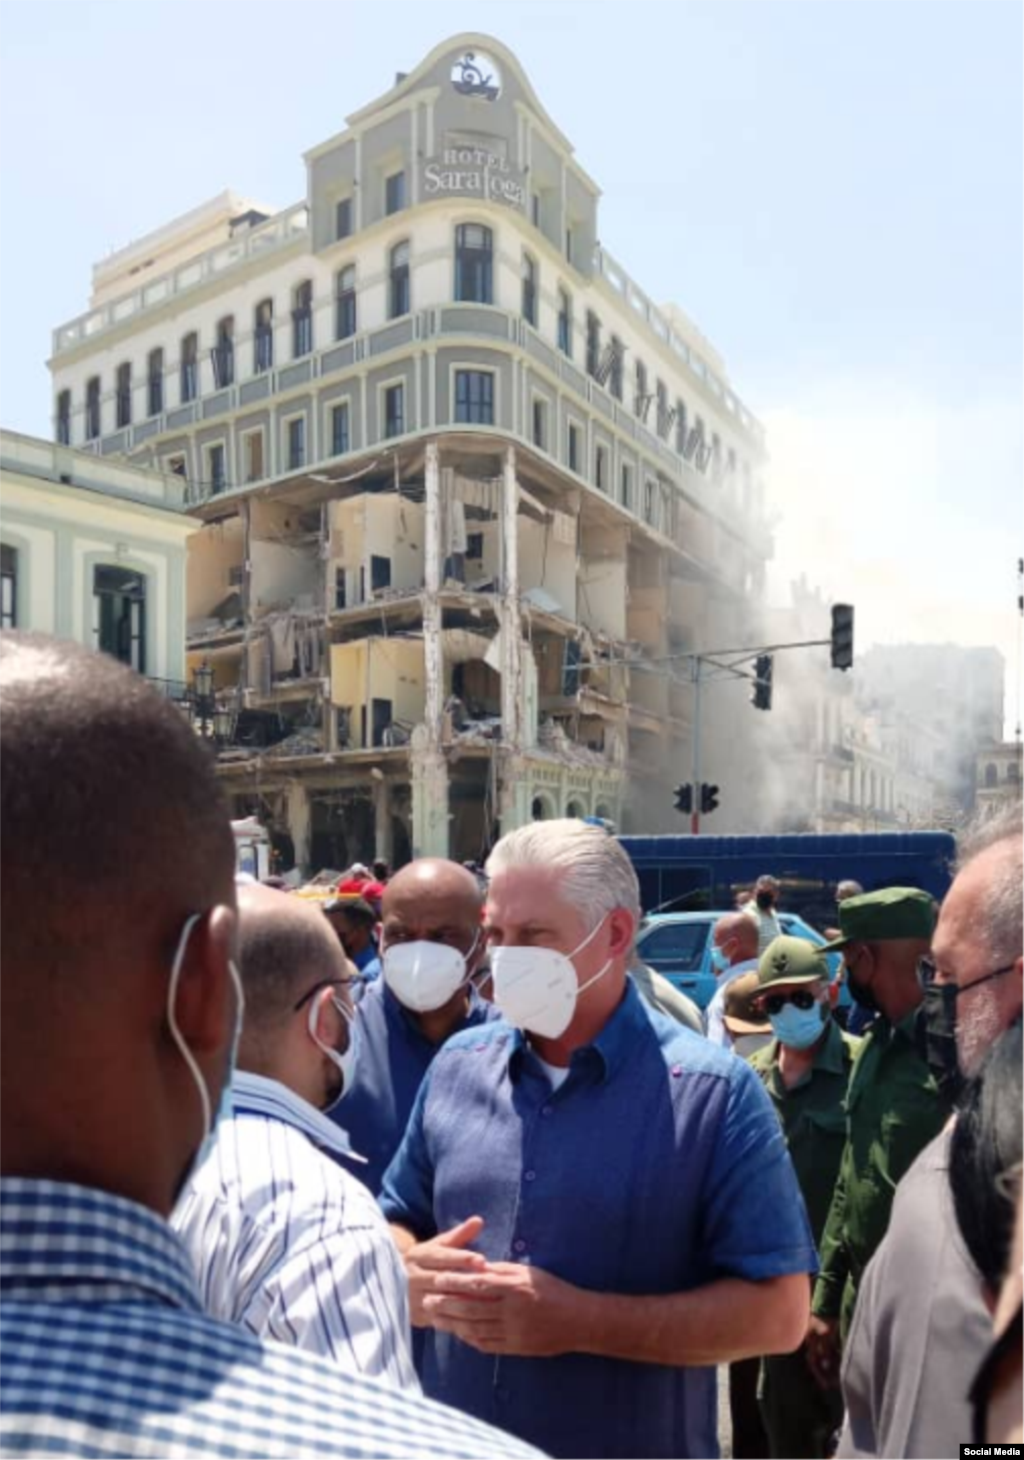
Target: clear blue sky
(832, 190)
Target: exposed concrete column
(514, 795)
(300, 823)
(427, 761)
(383, 841)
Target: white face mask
(346, 1062)
(424, 976)
(537, 988)
(210, 1120)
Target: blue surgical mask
(211, 1119)
(799, 1028)
(719, 960)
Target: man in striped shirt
(283, 1240)
(120, 1002)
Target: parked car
(678, 945)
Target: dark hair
(381, 870)
(986, 1145)
(105, 783)
(357, 910)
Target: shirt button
(530, 1176)
(519, 1245)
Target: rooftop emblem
(476, 75)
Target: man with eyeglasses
(806, 1071)
(284, 1241)
(432, 948)
(922, 1327)
(894, 1105)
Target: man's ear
(621, 929)
(205, 1001)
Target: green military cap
(877, 917)
(792, 960)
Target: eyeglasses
(356, 989)
(775, 1003)
(927, 973)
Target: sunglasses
(356, 988)
(775, 1003)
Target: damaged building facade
(466, 497)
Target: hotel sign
(473, 172)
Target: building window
(296, 443)
(535, 209)
(529, 290)
(540, 424)
(626, 487)
(394, 410)
(223, 353)
(215, 472)
(92, 408)
(593, 342)
(399, 290)
(189, 367)
(615, 372)
(475, 546)
(119, 614)
(648, 500)
(641, 402)
(574, 447)
(176, 464)
(8, 586)
(302, 320)
(661, 393)
(565, 323)
(263, 338)
(254, 469)
(123, 415)
(394, 193)
(473, 263)
(343, 219)
(155, 381)
(601, 469)
(339, 429)
(345, 303)
(680, 426)
(64, 418)
(474, 397)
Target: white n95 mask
(423, 976)
(348, 1061)
(536, 988)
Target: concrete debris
(302, 742)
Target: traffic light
(684, 798)
(842, 635)
(708, 799)
(762, 696)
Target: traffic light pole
(695, 770)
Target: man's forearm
(723, 1321)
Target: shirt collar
(612, 1046)
(55, 1234)
(396, 1010)
(256, 1095)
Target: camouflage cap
(792, 960)
(878, 917)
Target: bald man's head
(285, 949)
(737, 935)
(433, 900)
(106, 788)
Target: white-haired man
(595, 1206)
(921, 1327)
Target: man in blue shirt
(354, 922)
(432, 944)
(595, 1206)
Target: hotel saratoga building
(463, 494)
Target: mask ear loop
(186, 1053)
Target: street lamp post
(212, 722)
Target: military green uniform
(894, 1109)
(800, 1417)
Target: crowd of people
(437, 1167)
